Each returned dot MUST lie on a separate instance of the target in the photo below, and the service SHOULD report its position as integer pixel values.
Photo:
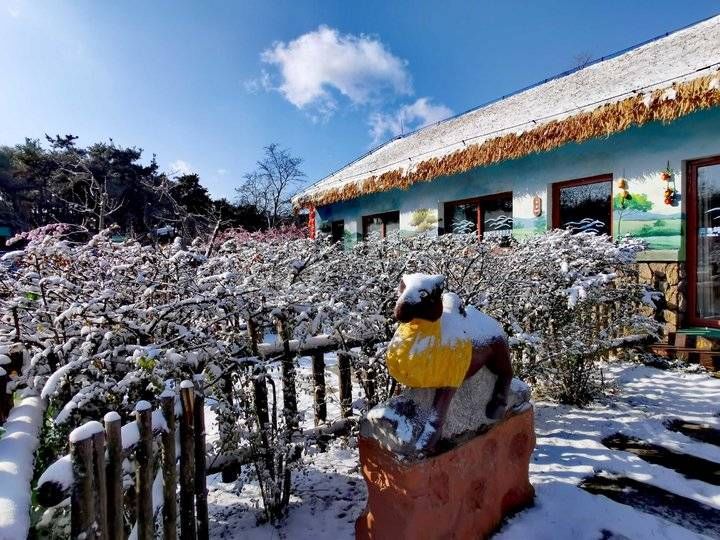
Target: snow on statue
(438, 345)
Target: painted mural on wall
(642, 156)
(423, 220)
(649, 214)
(529, 215)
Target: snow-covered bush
(105, 324)
(567, 301)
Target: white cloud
(180, 167)
(222, 172)
(318, 65)
(407, 118)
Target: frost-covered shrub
(568, 301)
(105, 324)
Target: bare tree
(271, 186)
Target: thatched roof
(663, 79)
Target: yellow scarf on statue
(418, 358)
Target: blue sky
(205, 85)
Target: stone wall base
(462, 493)
(670, 278)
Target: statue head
(420, 297)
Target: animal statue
(440, 343)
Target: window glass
(392, 223)
(338, 230)
(585, 207)
(490, 217)
(381, 224)
(462, 218)
(374, 226)
(708, 242)
(497, 217)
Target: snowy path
(330, 493)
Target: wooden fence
(157, 439)
(98, 502)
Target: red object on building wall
(311, 223)
(537, 206)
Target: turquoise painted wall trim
(638, 154)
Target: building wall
(638, 154)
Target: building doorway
(703, 241)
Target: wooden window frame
(691, 239)
(557, 186)
(381, 215)
(480, 218)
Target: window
(584, 205)
(337, 230)
(487, 216)
(703, 241)
(381, 224)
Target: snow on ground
(329, 492)
(569, 449)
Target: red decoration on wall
(668, 176)
(311, 223)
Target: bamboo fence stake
(82, 498)
(187, 462)
(345, 383)
(288, 376)
(101, 511)
(169, 459)
(230, 473)
(116, 525)
(144, 472)
(318, 369)
(201, 504)
(5, 398)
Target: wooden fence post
(370, 386)
(5, 398)
(227, 432)
(187, 462)
(144, 472)
(115, 520)
(169, 458)
(318, 371)
(201, 505)
(101, 513)
(16, 360)
(345, 371)
(288, 376)
(82, 497)
(260, 396)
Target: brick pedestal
(463, 493)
